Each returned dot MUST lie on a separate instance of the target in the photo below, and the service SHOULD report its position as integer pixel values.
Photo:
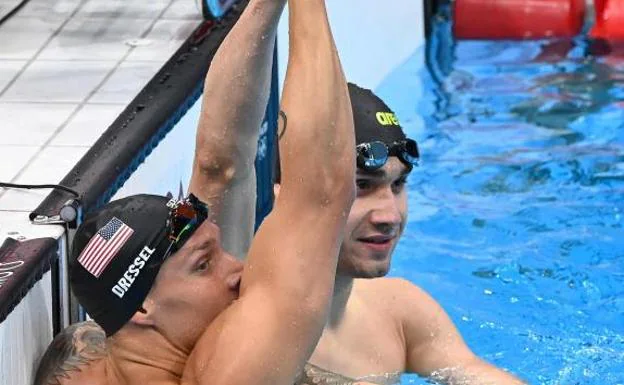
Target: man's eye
(399, 185)
(203, 265)
(363, 184)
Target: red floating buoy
(517, 19)
(609, 23)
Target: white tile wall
(23, 37)
(163, 40)
(67, 70)
(56, 8)
(28, 124)
(13, 159)
(88, 125)
(124, 8)
(50, 165)
(127, 80)
(95, 38)
(7, 6)
(8, 70)
(184, 9)
(58, 81)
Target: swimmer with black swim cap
(381, 327)
(178, 308)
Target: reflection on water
(519, 206)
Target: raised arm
(266, 336)
(235, 97)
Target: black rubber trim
(22, 264)
(56, 296)
(145, 122)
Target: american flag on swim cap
(104, 246)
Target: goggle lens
(184, 218)
(410, 153)
(373, 155)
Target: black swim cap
(373, 119)
(116, 255)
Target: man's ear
(144, 316)
(276, 190)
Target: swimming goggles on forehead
(374, 155)
(185, 216)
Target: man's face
(194, 285)
(376, 221)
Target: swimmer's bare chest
(367, 345)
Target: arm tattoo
(285, 118)
(73, 348)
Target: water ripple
(519, 207)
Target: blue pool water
(516, 213)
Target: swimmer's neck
(343, 285)
(143, 354)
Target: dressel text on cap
(125, 282)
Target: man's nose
(386, 211)
(234, 264)
(234, 271)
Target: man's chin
(377, 269)
(363, 263)
(370, 275)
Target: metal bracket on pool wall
(214, 9)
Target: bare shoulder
(72, 350)
(390, 289)
(399, 297)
